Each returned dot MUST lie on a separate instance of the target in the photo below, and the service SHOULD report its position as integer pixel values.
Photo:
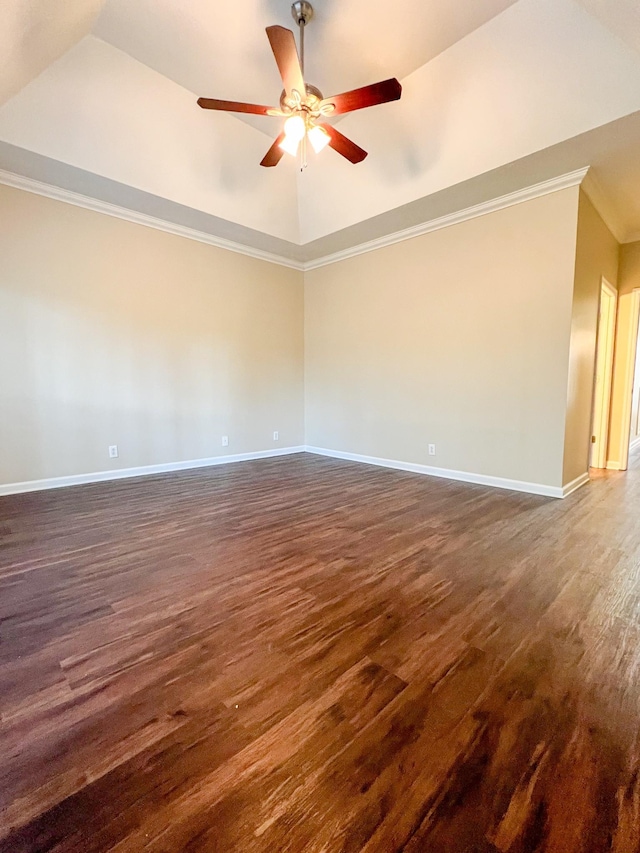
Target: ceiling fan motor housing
(311, 103)
(302, 12)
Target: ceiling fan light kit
(302, 105)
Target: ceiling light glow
(294, 131)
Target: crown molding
(603, 206)
(30, 185)
(571, 179)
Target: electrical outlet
(276, 436)
(225, 440)
(432, 450)
(113, 451)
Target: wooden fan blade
(340, 143)
(283, 45)
(274, 154)
(367, 96)
(233, 106)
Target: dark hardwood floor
(302, 654)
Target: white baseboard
(575, 484)
(448, 474)
(614, 466)
(168, 467)
(144, 470)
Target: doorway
(634, 434)
(603, 375)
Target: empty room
(319, 426)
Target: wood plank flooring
(302, 654)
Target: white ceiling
(220, 49)
(621, 16)
(100, 98)
(35, 32)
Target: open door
(625, 397)
(604, 371)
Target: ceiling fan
(304, 106)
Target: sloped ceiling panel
(100, 110)
(622, 17)
(33, 33)
(513, 87)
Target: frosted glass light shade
(290, 145)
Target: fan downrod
(301, 12)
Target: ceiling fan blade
(283, 45)
(274, 154)
(233, 106)
(340, 143)
(367, 96)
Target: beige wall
(478, 338)
(459, 338)
(596, 257)
(113, 333)
(629, 267)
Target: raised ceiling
(206, 46)
(100, 98)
